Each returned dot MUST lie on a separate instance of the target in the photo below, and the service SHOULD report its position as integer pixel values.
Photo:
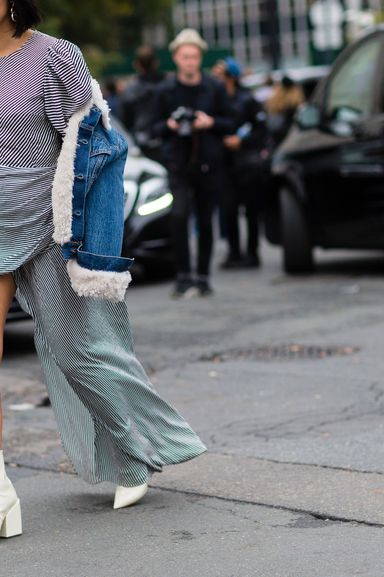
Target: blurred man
(192, 115)
(247, 159)
(137, 100)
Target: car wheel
(296, 243)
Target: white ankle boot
(126, 496)
(10, 514)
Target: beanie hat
(188, 36)
(233, 68)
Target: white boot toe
(126, 496)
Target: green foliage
(102, 28)
(107, 23)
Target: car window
(353, 85)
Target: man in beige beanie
(188, 36)
(192, 115)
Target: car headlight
(160, 203)
(154, 196)
(130, 197)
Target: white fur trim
(62, 188)
(98, 100)
(98, 284)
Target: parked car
(148, 202)
(307, 77)
(328, 175)
(147, 215)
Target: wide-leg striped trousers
(113, 424)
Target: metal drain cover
(280, 352)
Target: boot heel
(12, 523)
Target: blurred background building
(280, 33)
(261, 34)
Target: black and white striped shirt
(41, 85)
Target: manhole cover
(281, 352)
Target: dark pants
(193, 194)
(232, 198)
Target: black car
(328, 175)
(148, 204)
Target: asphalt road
(283, 379)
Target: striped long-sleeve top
(41, 85)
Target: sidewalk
(283, 379)
(71, 531)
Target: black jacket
(136, 106)
(213, 100)
(249, 164)
(250, 117)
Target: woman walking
(54, 176)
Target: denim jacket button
(80, 176)
(78, 212)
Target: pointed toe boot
(126, 496)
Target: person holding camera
(192, 116)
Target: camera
(184, 117)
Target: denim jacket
(88, 203)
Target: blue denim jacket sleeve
(98, 198)
(104, 205)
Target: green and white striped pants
(113, 424)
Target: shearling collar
(85, 282)
(62, 188)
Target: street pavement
(283, 379)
